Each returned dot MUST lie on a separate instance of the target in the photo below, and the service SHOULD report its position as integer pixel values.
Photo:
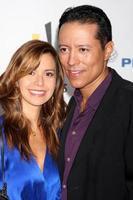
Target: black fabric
(103, 166)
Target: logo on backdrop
(127, 62)
(124, 62)
(48, 31)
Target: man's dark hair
(89, 14)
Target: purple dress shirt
(79, 125)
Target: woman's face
(38, 87)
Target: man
(96, 152)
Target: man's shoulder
(123, 83)
(126, 85)
(124, 89)
(127, 90)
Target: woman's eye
(32, 73)
(50, 74)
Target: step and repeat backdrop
(23, 20)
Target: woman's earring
(65, 87)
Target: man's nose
(73, 58)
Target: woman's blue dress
(25, 180)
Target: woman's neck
(32, 114)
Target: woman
(31, 95)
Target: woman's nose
(39, 80)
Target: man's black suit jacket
(103, 166)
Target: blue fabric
(25, 180)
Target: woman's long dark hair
(17, 126)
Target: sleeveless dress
(25, 180)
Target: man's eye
(83, 50)
(63, 50)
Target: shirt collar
(97, 95)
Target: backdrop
(22, 20)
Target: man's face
(82, 56)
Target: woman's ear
(108, 50)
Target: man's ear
(108, 50)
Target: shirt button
(64, 186)
(73, 132)
(68, 159)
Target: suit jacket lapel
(63, 135)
